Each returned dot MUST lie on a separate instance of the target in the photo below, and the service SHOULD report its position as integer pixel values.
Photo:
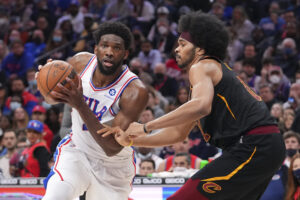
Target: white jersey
(104, 102)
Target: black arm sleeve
(43, 156)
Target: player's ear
(95, 49)
(199, 51)
(126, 54)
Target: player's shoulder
(135, 90)
(80, 60)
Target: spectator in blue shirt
(38, 45)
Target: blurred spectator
(295, 97)
(181, 161)
(52, 117)
(242, 26)
(138, 37)
(66, 27)
(162, 82)
(117, 10)
(86, 42)
(32, 84)
(267, 95)
(28, 100)
(66, 122)
(235, 47)
(4, 22)
(287, 59)
(3, 50)
(293, 183)
(273, 23)
(5, 122)
(35, 157)
(39, 114)
(136, 67)
(147, 166)
(38, 45)
(292, 145)
(2, 96)
(249, 66)
(75, 16)
(181, 97)
(162, 38)
(153, 108)
(19, 119)
(43, 24)
(143, 13)
(18, 61)
(279, 83)
(250, 53)
(97, 8)
(9, 142)
(149, 56)
(11, 36)
(179, 147)
(56, 40)
(142, 153)
(277, 111)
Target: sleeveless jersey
(236, 109)
(104, 102)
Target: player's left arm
(132, 102)
(200, 104)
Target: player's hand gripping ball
(51, 74)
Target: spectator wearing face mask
(37, 45)
(25, 100)
(279, 82)
(162, 82)
(287, 59)
(293, 184)
(292, 145)
(32, 84)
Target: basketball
(53, 73)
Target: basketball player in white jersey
(108, 93)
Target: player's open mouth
(107, 63)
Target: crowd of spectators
(264, 51)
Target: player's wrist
(146, 129)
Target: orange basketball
(53, 73)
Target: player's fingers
(102, 130)
(49, 60)
(56, 95)
(36, 75)
(63, 89)
(40, 67)
(107, 133)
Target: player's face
(185, 53)
(110, 53)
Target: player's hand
(72, 96)
(120, 136)
(135, 130)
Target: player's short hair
(116, 28)
(207, 32)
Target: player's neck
(101, 80)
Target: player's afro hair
(207, 32)
(116, 28)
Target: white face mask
(14, 105)
(274, 79)
(162, 30)
(298, 80)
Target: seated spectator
(9, 141)
(117, 10)
(273, 23)
(20, 119)
(18, 89)
(35, 157)
(279, 82)
(181, 97)
(295, 94)
(149, 56)
(147, 166)
(153, 106)
(293, 182)
(267, 95)
(180, 147)
(136, 67)
(16, 63)
(3, 51)
(3, 93)
(181, 161)
(37, 45)
(277, 112)
(249, 66)
(5, 122)
(287, 57)
(39, 113)
(32, 84)
(292, 145)
(162, 82)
